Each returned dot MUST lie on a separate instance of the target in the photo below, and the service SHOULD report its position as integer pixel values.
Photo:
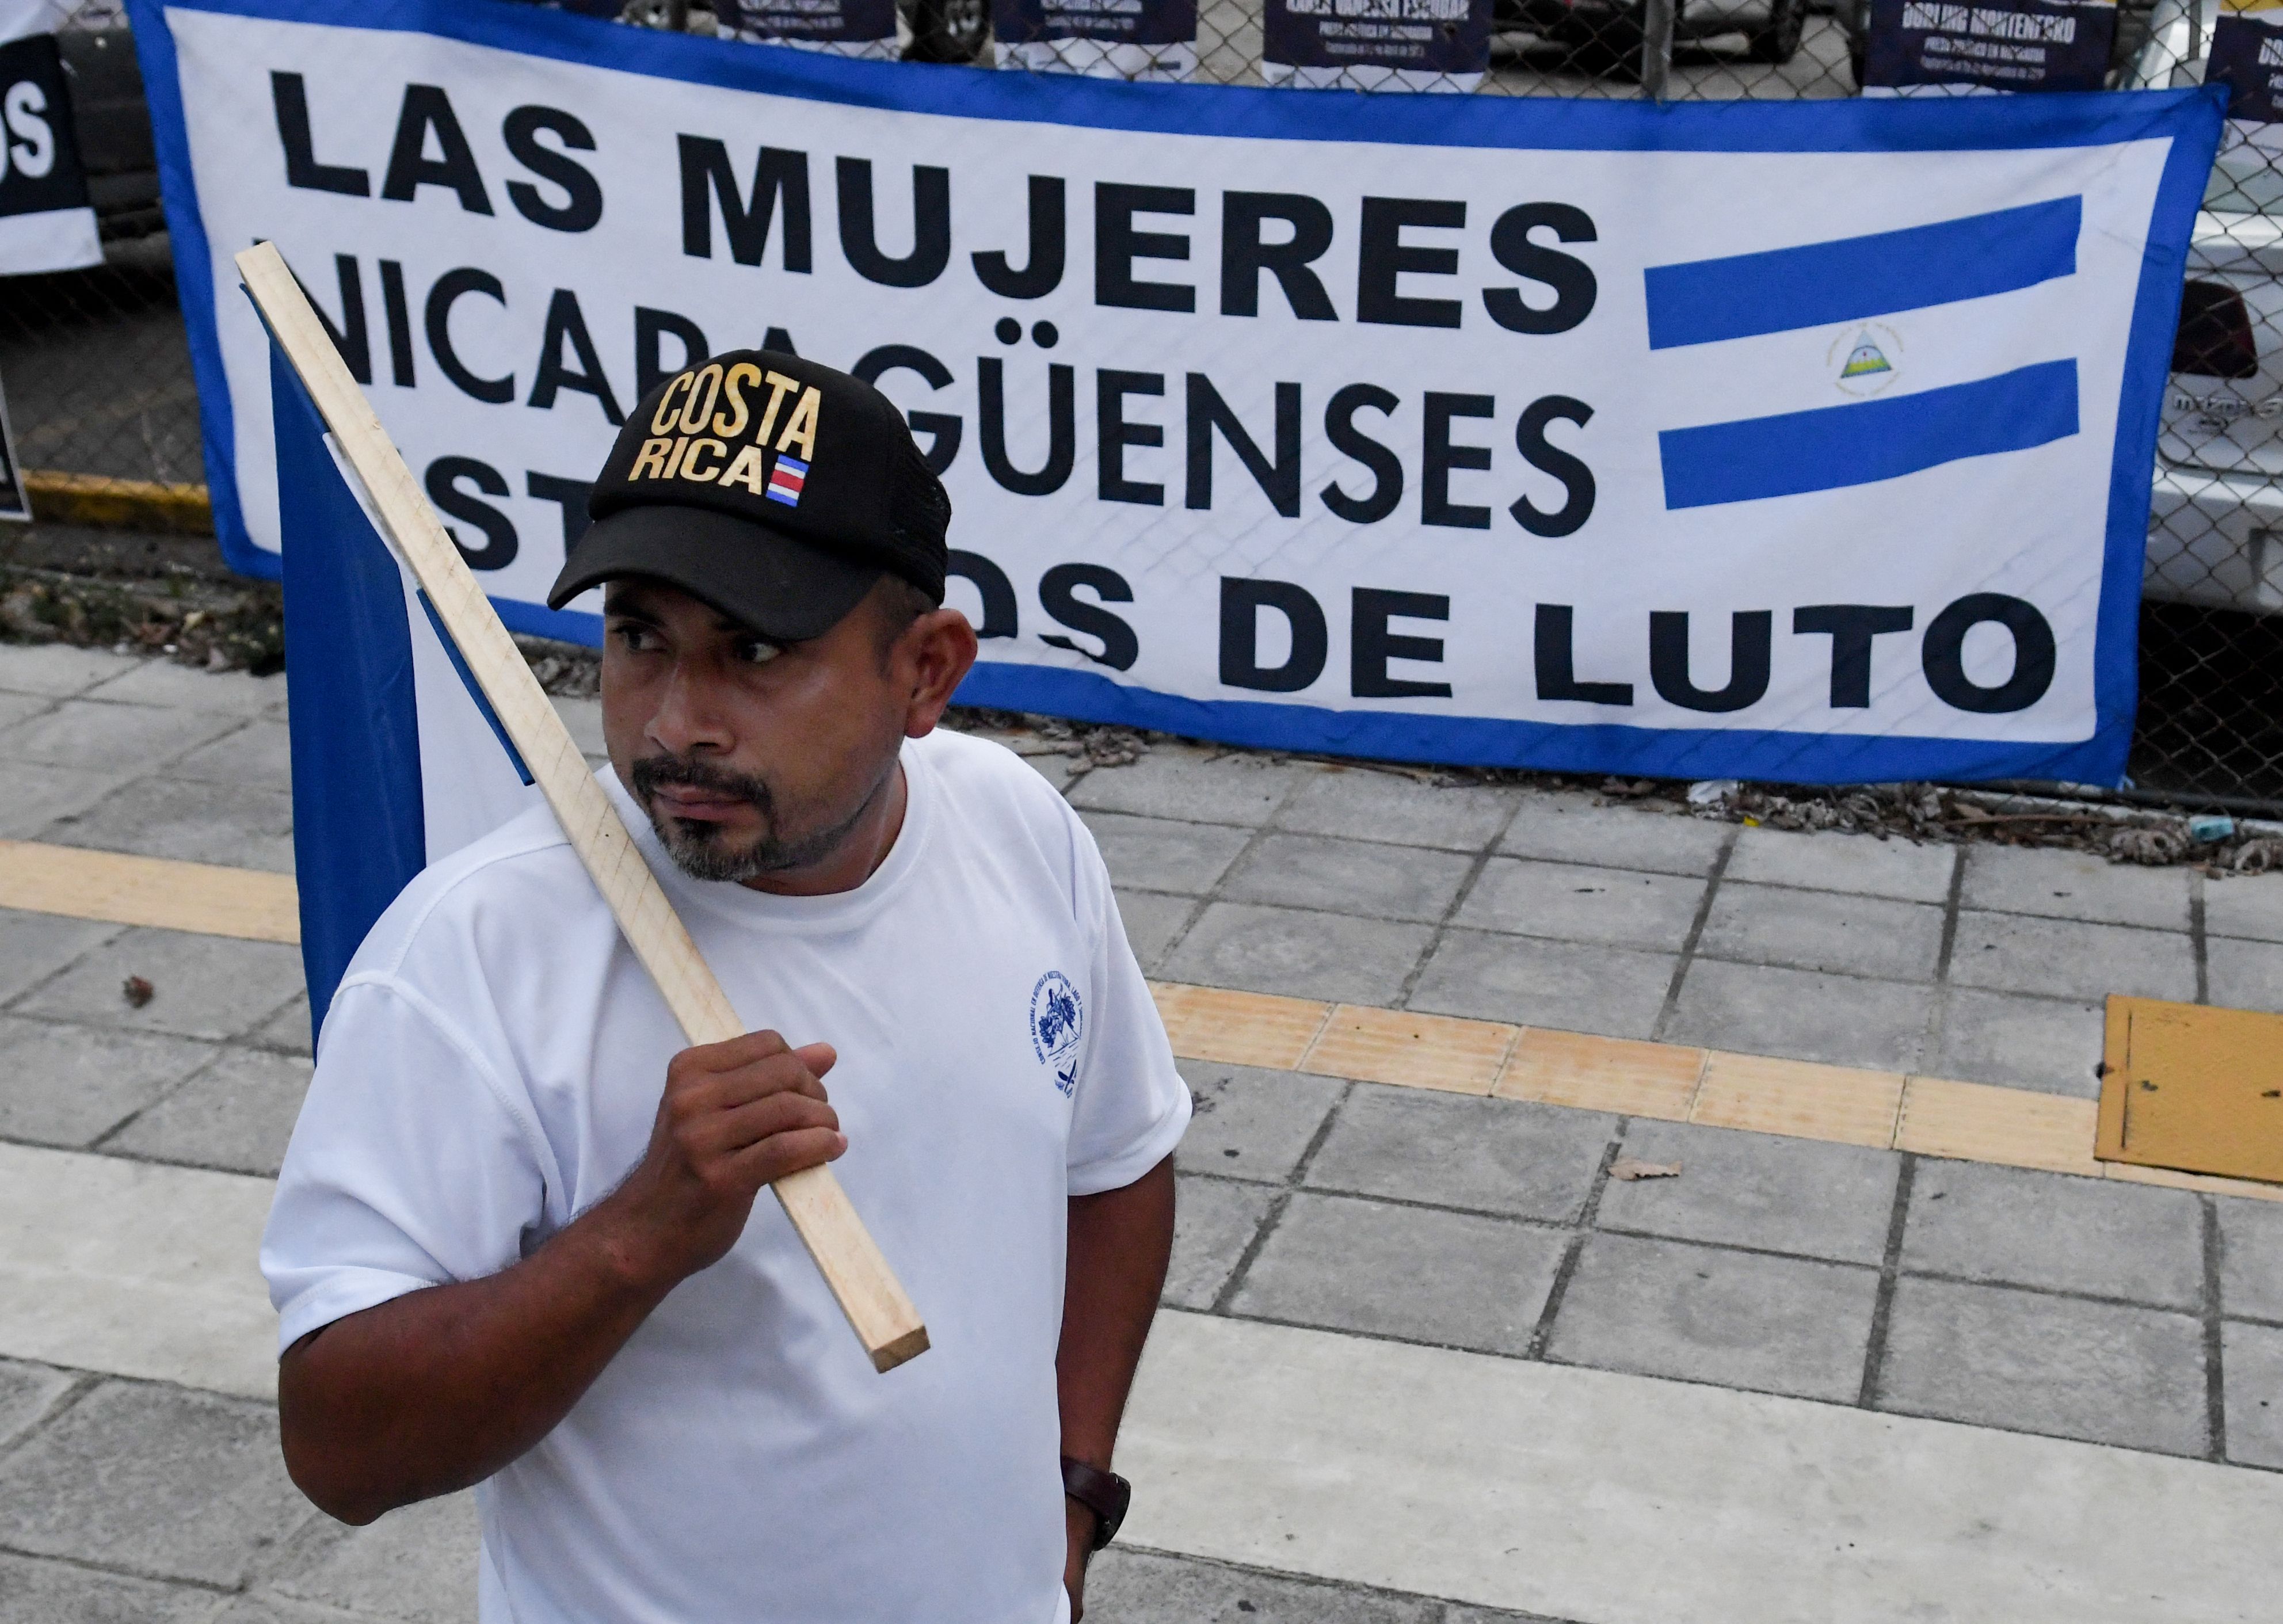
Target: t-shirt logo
(1057, 1021)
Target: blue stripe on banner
(1837, 445)
(359, 834)
(1817, 283)
(1765, 753)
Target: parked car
(2216, 518)
(1605, 35)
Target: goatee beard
(702, 850)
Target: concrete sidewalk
(1824, 1286)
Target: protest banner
(1459, 429)
(1946, 45)
(865, 28)
(2246, 57)
(46, 222)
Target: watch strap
(1105, 1494)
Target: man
(500, 1257)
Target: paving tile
(2049, 1044)
(1364, 804)
(97, 737)
(1403, 1272)
(2249, 905)
(238, 825)
(1799, 1015)
(1409, 1049)
(33, 797)
(1571, 829)
(1496, 1156)
(178, 687)
(15, 707)
(1237, 1028)
(2071, 959)
(2013, 1227)
(2016, 1127)
(2245, 975)
(1832, 1202)
(1352, 877)
(1152, 921)
(2251, 1260)
(1175, 782)
(1736, 1319)
(26, 1392)
(1993, 1357)
(1056, 767)
(2251, 1368)
(260, 753)
(2067, 885)
(34, 946)
(68, 1085)
(1160, 853)
(1126, 1586)
(1214, 1221)
(1252, 1123)
(1859, 864)
(57, 669)
(288, 1029)
(236, 1115)
(1298, 954)
(207, 987)
(163, 1480)
(1576, 986)
(1823, 929)
(417, 1564)
(1622, 1075)
(1574, 902)
(37, 1592)
(1798, 1099)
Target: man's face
(754, 759)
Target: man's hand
(735, 1116)
(1078, 1521)
(437, 1389)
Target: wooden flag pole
(883, 1318)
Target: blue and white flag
(397, 757)
(1804, 441)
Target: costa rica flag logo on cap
(786, 478)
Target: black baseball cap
(773, 489)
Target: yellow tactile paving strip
(1932, 1116)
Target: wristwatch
(1105, 1494)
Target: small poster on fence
(865, 28)
(2247, 56)
(1917, 46)
(1377, 45)
(1154, 40)
(14, 503)
(45, 221)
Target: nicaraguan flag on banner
(397, 760)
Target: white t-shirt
(491, 1068)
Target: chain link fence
(98, 381)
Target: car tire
(1776, 40)
(948, 30)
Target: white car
(2216, 522)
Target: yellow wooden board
(157, 891)
(2192, 1088)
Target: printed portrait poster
(865, 28)
(1142, 40)
(1918, 45)
(1377, 45)
(2247, 56)
(45, 221)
